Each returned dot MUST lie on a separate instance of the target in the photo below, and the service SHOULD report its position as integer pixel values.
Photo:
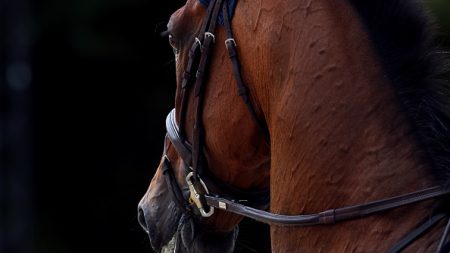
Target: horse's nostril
(141, 219)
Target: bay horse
(339, 103)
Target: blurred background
(85, 86)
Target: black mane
(402, 35)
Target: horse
(338, 103)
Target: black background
(102, 84)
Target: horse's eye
(173, 43)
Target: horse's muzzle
(146, 224)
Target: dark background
(85, 86)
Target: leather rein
(198, 178)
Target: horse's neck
(338, 134)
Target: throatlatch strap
(242, 89)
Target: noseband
(228, 198)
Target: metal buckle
(197, 40)
(195, 196)
(230, 40)
(208, 34)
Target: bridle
(231, 199)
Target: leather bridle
(231, 199)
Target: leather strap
(186, 83)
(417, 233)
(191, 67)
(443, 243)
(330, 216)
(230, 44)
(172, 184)
(198, 132)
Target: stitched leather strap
(330, 216)
(230, 44)
(198, 132)
(191, 67)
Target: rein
(198, 178)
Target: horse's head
(235, 154)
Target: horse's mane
(402, 36)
